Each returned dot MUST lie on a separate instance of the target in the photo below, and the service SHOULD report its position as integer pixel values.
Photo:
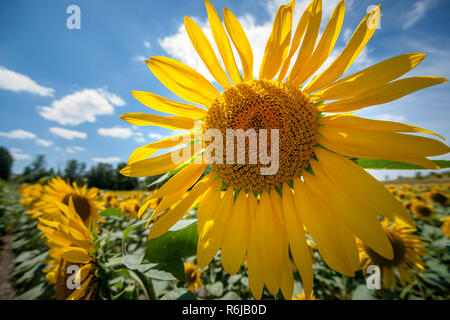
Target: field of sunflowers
(72, 242)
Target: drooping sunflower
(71, 246)
(193, 276)
(85, 201)
(258, 217)
(408, 250)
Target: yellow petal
(145, 119)
(325, 46)
(277, 47)
(382, 145)
(298, 35)
(151, 167)
(75, 255)
(223, 44)
(182, 80)
(366, 189)
(362, 222)
(240, 41)
(162, 104)
(211, 235)
(349, 121)
(324, 229)
(308, 43)
(382, 94)
(254, 259)
(146, 151)
(206, 52)
(297, 240)
(207, 205)
(369, 78)
(234, 244)
(168, 219)
(357, 42)
(177, 185)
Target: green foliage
(6, 162)
(388, 164)
(36, 170)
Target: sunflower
(421, 210)
(193, 276)
(438, 197)
(261, 217)
(84, 199)
(408, 250)
(71, 246)
(445, 227)
(302, 296)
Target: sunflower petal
(206, 52)
(369, 78)
(325, 45)
(277, 47)
(223, 44)
(358, 41)
(145, 119)
(182, 80)
(309, 42)
(382, 145)
(240, 41)
(75, 255)
(162, 104)
(349, 121)
(382, 94)
(173, 215)
(298, 35)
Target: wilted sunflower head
(408, 250)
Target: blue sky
(61, 90)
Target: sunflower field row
(71, 242)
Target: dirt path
(6, 269)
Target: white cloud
(147, 44)
(18, 154)
(156, 136)
(18, 134)
(139, 137)
(81, 106)
(68, 134)
(17, 82)
(44, 143)
(75, 149)
(390, 117)
(417, 12)
(106, 160)
(123, 133)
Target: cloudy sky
(62, 90)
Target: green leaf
(395, 165)
(215, 289)
(179, 294)
(363, 293)
(172, 245)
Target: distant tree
(101, 176)
(418, 175)
(74, 171)
(36, 170)
(152, 183)
(5, 163)
(122, 182)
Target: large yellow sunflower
(84, 199)
(71, 244)
(408, 251)
(261, 218)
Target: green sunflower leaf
(395, 165)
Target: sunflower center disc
(263, 104)
(80, 203)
